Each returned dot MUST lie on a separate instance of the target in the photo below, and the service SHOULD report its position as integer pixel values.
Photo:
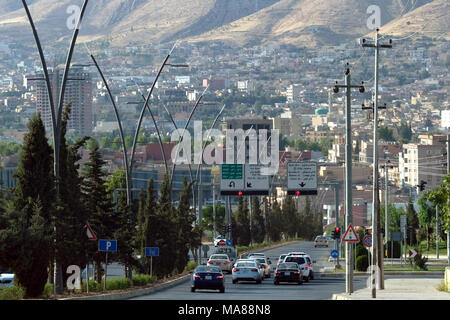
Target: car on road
(6, 280)
(218, 240)
(302, 263)
(256, 254)
(229, 251)
(207, 277)
(288, 272)
(265, 262)
(220, 260)
(246, 270)
(320, 241)
(281, 258)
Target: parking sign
(107, 245)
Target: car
(246, 270)
(303, 264)
(6, 280)
(207, 277)
(281, 258)
(218, 240)
(220, 260)
(296, 253)
(229, 251)
(311, 267)
(266, 264)
(256, 254)
(288, 272)
(320, 241)
(328, 237)
(259, 265)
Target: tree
(413, 222)
(275, 224)
(243, 223)
(98, 205)
(208, 217)
(185, 219)
(386, 133)
(258, 228)
(26, 230)
(426, 215)
(106, 142)
(290, 217)
(440, 196)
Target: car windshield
(298, 260)
(245, 264)
(219, 257)
(208, 269)
(288, 265)
(261, 260)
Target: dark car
(205, 277)
(288, 272)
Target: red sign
(412, 253)
(367, 241)
(222, 243)
(89, 232)
(350, 235)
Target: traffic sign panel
(412, 253)
(334, 254)
(229, 243)
(107, 245)
(232, 179)
(367, 241)
(350, 235)
(151, 251)
(302, 178)
(255, 182)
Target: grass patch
(143, 279)
(443, 287)
(191, 265)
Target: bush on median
(143, 279)
(12, 293)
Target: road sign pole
(151, 265)
(87, 277)
(106, 271)
(437, 232)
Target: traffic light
(333, 234)
(422, 185)
(338, 232)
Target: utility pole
(437, 232)
(214, 211)
(448, 172)
(348, 174)
(386, 200)
(336, 198)
(377, 258)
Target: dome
(321, 111)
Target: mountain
(242, 22)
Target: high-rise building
(78, 92)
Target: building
(290, 127)
(423, 161)
(215, 84)
(293, 93)
(78, 92)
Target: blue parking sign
(107, 245)
(229, 243)
(152, 252)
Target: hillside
(298, 22)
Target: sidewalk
(400, 289)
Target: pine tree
(413, 222)
(290, 217)
(275, 222)
(26, 229)
(98, 205)
(258, 228)
(185, 219)
(243, 223)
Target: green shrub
(420, 262)
(12, 293)
(48, 291)
(360, 250)
(191, 265)
(94, 286)
(143, 279)
(362, 263)
(118, 284)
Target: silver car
(220, 260)
(265, 262)
(246, 270)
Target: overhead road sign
(232, 179)
(255, 184)
(350, 235)
(302, 178)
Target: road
(318, 289)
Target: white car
(6, 280)
(256, 254)
(246, 270)
(303, 264)
(265, 262)
(220, 260)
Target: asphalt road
(317, 289)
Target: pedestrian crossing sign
(350, 235)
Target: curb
(388, 273)
(134, 293)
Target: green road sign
(232, 172)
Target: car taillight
(265, 266)
(254, 270)
(220, 276)
(310, 264)
(196, 275)
(306, 267)
(210, 262)
(227, 262)
(298, 272)
(276, 271)
(235, 269)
